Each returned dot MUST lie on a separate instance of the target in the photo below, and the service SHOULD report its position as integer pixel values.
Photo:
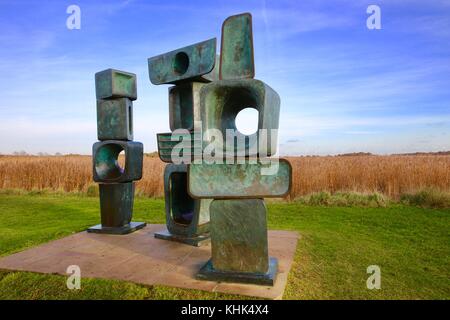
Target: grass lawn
(411, 245)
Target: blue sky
(343, 88)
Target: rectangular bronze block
(239, 236)
(184, 215)
(115, 119)
(229, 181)
(116, 203)
(106, 166)
(111, 83)
(184, 105)
(236, 50)
(192, 63)
(116, 209)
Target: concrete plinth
(141, 258)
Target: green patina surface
(239, 180)
(113, 83)
(239, 236)
(236, 54)
(115, 119)
(166, 154)
(220, 103)
(186, 146)
(105, 161)
(185, 215)
(116, 209)
(116, 203)
(239, 230)
(192, 63)
(184, 105)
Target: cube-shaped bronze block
(111, 83)
(106, 166)
(221, 101)
(115, 119)
(184, 105)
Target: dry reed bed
(389, 175)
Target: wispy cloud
(342, 87)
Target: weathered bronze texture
(166, 146)
(239, 239)
(115, 119)
(106, 167)
(232, 193)
(192, 63)
(221, 101)
(234, 181)
(209, 273)
(116, 208)
(115, 91)
(113, 83)
(187, 219)
(236, 49)
(184, 105)
(239, 246)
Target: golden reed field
(389, 175)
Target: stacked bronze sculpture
(214, 190)
(188, 68)
(227, 193)
(115, 91)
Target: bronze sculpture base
(207, 272)
(129, 228)
(192, 241)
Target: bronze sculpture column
(115, 91)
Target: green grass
(27, 285)
(410, 244)
(344, 199)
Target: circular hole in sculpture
(121, 160)
(108, 164)
(181, 63)
(247, 121)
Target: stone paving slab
(141, 258)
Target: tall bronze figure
(229, 191)
(115, 91)
(189, 69)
